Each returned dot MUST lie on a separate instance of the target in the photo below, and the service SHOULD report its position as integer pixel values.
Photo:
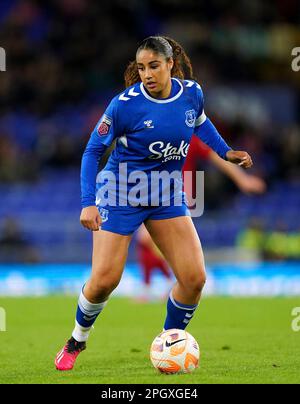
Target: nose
(148, 74)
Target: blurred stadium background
(65, 61)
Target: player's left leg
(178, 241)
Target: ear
(170, 64)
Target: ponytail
(182, 68)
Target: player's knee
(201, 282)
(198, 284)
(195, 283)
(103, 286)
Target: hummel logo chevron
(123, 98)
(131, 92)
(90, 318)
(190, 83)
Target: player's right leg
(109, 256)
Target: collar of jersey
(162, 100)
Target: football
(175, 351)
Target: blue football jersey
(151, 134)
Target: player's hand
(240, 158)
(90, 218)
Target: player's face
(155, 72)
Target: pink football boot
(65, 359)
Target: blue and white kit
(152, 135)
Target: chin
(156, 92)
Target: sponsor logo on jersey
(104, 125)
(168, 152)
(190, 118)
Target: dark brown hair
(167, 47)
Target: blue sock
(86, 315)
(178, 314)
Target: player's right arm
(101, 138)
(90, 218)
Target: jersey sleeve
(109, 126)
(107, 129)
(205, 129)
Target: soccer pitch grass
(241, 341)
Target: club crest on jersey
(104, 125)
(190, 118)
(104, 215)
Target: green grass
(241, 341)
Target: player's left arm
(208, 133)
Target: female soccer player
(153, 122)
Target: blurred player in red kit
(148, 255)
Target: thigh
(110, 252)
(179, 243)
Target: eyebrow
(152, 61)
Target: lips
(151, 85)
